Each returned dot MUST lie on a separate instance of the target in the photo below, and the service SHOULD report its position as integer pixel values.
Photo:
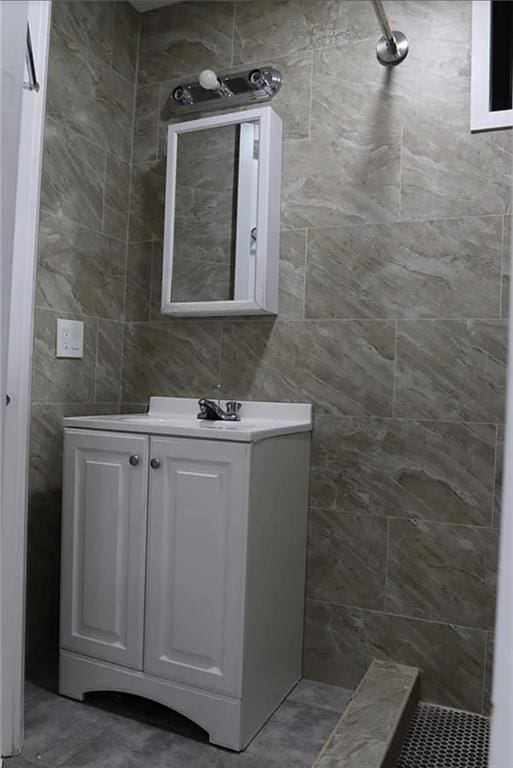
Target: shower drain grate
(445, 738)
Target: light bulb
(208, 80)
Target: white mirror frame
(268, 217)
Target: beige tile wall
(393, 289)
(393, 261)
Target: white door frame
(12, 30)
(501, 746)
(19, 381)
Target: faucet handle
(232, 406)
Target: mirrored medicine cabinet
(222, 215)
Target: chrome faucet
(212, 411)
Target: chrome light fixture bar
(213, 91)
(393, 47)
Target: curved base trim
(220, 716)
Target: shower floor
(445, 738)
(117, 731)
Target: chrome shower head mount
(390, 53)
(393, 47)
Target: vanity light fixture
(182, 95)
(267, 80)
(213, 91)
(210, 82)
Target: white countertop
(177, 417)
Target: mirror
(207, 260)
(221, 244)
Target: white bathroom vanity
(183, 560)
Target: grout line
(121, 355)
(160, 123)
(232, 57)
(125, 287)
(483, 688)
(65, 219)
(82, 403)
(496, 321)
(501, 308)
(494, 479)
(140, 163)
(154, 154)
(393, 614)
(311, 98)
(394, 370)
(219, 386)
(78, 315)
(120, 394)
(387, 556)
(401, 172)
(96, 359)
(405, 518)
(304, 274)
(393, 222)
(150, 292)
(130, 186)
(102, 223)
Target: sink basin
(177, 416)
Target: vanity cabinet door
(196, 562)
(103, 545)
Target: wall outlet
(70, 338)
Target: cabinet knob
(134, 460)
(155, 463)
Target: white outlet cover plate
(70, 339)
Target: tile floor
(115, 731)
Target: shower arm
(384, 24)
(392, 48)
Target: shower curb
(370, 732)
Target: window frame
(482, 118)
